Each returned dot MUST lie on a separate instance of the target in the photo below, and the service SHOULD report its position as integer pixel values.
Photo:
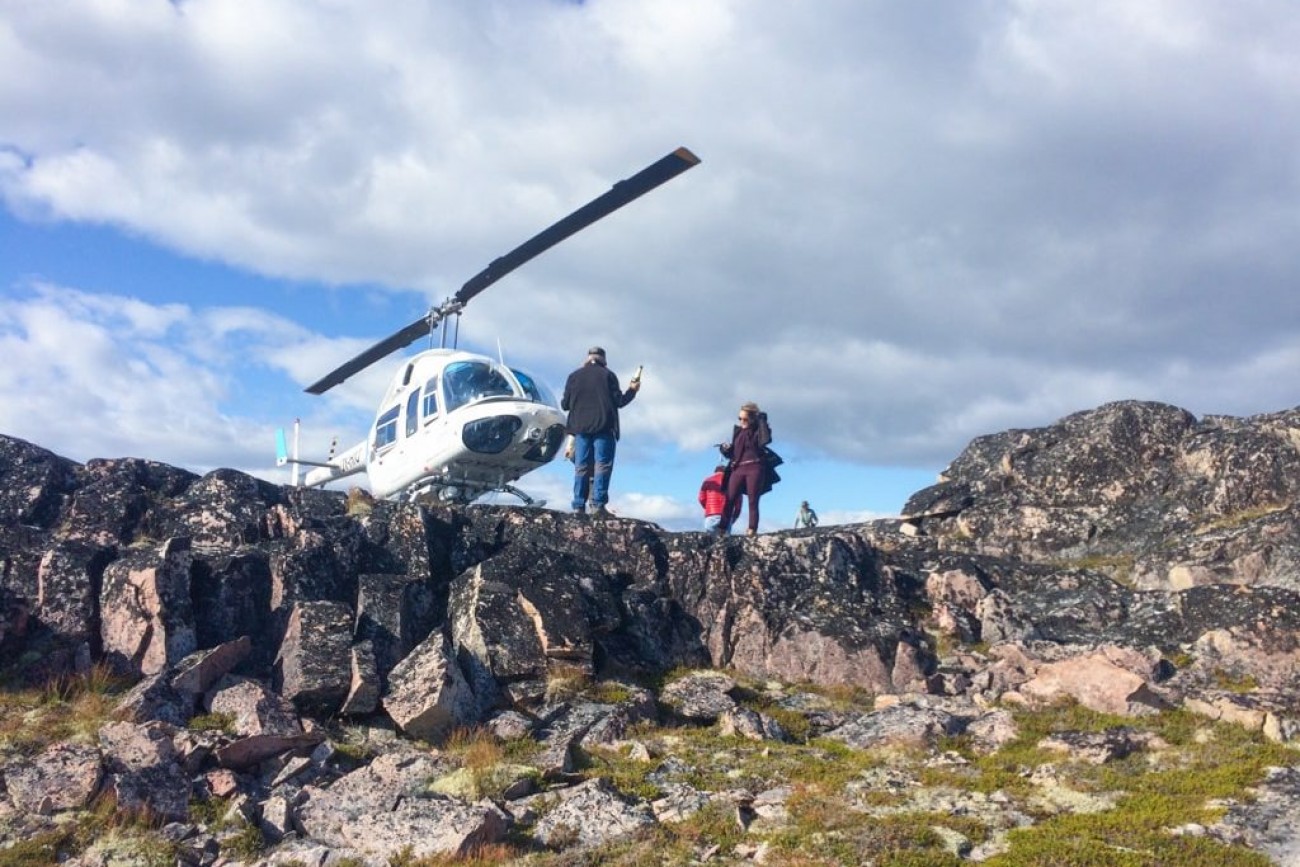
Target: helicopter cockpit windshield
(535, 390)
(469, 381)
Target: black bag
(771, 460)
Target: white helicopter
(454, 425)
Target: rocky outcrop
(1143, 492)
(1131, 559)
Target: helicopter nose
(490, 436)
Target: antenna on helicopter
(625, 191)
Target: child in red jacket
(714, 499)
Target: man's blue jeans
(593, 463)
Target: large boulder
(427, 694)
(146, 612)
(313, 669)
(38, 484)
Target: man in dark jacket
(592, 397)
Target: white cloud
(106, 376)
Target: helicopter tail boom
(348, 463)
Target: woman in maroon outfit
(746, 467)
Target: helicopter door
(431, 422)
(410, 425)
(413, 413)
(396, 433)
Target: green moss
(48, 848)
(833, 765)
(714, 824)
(609, 692)
(1117, 567)
(353, 755)
(794, 723)
(1122, 837)
(221, 722)
(1237, 519)
(629, 776)
(825, 830)
(207, 811)
(247, 842)
(1235, 683)
(842, 696)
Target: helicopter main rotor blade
(388, 345)
(642, 182)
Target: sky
(913, 224)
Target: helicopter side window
(467, 381)
(386, 428)
(430, 408)
(413, 412)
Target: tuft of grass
(353, 755)
(628, 776)
(359, 503)
(842, 696)
(795, 724)
(68, 707)
(480, 856)
(47, 848)
(129, 835)
(609, 692)
(221, 722)
(565, 682)
(246, 843)
(475, 748)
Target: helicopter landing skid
(530, 502)
(450, 493)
